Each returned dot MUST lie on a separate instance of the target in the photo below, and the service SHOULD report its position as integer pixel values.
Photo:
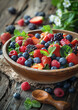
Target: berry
(69, 37)
(46, 38)
(10, 29)
(43, 48)
(39, 46)
(58, 36)
(37, 60)
(26, 21)
(21, 60)
(55, 63)
(57, 58)
(59, 84)
(31, 26)
(53, 56)
(12, 44)
(25, 86)
(19, 55)
(28, 63)
(37, 53)
(20, 42)
(26, 16)
(28, 41)
(74, 42)
(70, 45)
(30, 59)
(56, 42)
(46, 45)
(16, 96)
(20, 22)
(71, 90)
(40, 14)
(50, 36)
(71, 64)
(53, 67)
(12, 10)
(46, 60)
(62, 61)
(22, 48)
(19, 38)
(66, 85)
(4, 37)
(58, 92)
(14, 57)
(38, 66)
(35, 40)
(30, 48)
(37, 35)
(43, 42)
(64, 41)
(49, 42)
(13, 52)
(49, 90)
(25, 55)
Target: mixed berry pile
(44, 51)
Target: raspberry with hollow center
(21, 60)
(58, 92)
(25, 86)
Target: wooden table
(9, 87)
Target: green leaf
(54, 2)
(17, 49)
(51, 50)
(36, 104)
(17, 32)
(13, 38)
(17, 45)
(65, 50)
(31, 53)
(10, 49)
(46, 67)
(46, 28)
(28, 104)
(44, 52)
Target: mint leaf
(46, 67)
(13, 38)
(44, 52)
(17, 49)
(65, 50)
(17, 32)
(17, 45)
(46, 28)
(28, 104)
(31, 53)
(36, 104)
(51, 50)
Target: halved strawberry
(39, 46)
(64, 41)
(37, 20)
(38, 66)
(74, 42)
(35, 40)
(46, 60)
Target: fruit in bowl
(43, 56)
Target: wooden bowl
(47, 76)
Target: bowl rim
(54, 72)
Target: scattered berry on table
(71, 64)
(10, 29)
(21, 60)
(37, 60)
(58, 92)
(12, 10)
(12, 52)
(26, 22)
(19, 55)
(49, 90)
(31, 26)
(26, 17)
(14, 57)
(40, 14)
(20, 22)
(12, 44)
(37, 35)
(16, 96)
(55, 63)
(25, 55)
(28, 63)
(69, 37)
(62, 61)
(25, 86)
(71, 90)
(53, 67)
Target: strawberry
(19, 38)
(64, 41)
(37, 20)
(38, 66)
(20, 22)
(50, 36)
(35, 40)
(4, 37)
(74, 42)
(39, 46)
(22, 48)
(72, 58)
(28, 41)
(13, 52)
(19, 42)
(46, 60)
(46, 38)
(55, 63)
(37, 53)
(57, 50)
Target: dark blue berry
(26, 22)
(1, 52)
(69, 37)
(66, 85)
(46, 45)
(49, 90)
(32, 26)
(10, 29)
(14, 57)
(73, 78)
(12, 10)
(71, 64)
(53, 67)
(43, 42)
(40, 14)
(58, 36)
(19, 55)
(16, 95)
(71, 90)
(30, 59)
(28, 63)
(25, 55)
(62, 61)
(12, 44)
(37, 60)
(57, 58)
(53, 56)
(43, 48)
(37, 35)
(26, 17)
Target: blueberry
(41, 14)
(26, 17)
(0, 45)
(14, 57)
(10, 29)
(49, 90)
(36, 14)
(25, 55)
(12, 10)
(69, 37)
(12, 44)
(32, 26)
(71, 64)
(43, 42)
(57, 58)
(26, 22)
(62, 61)
(71, 90)
(43, 48)
(37, 35)
(1, 52)
(30, 59)
(62, 67)
(46, 45)
(37, 60)
(73, 78)
(53, 56)
(66, 85)
(28, 63)
(53, 67)
(19, 55)
(16, 95)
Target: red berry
(64, 41)
(19, 38)
(46, 38)
(28, 41)
(37, 53)
(50, 36)
(19, 42)
(21, 60)
(55, 63)
(39, 46)
(25, 86)
(22, 48)
(74, 42)
(13, 52)
(20, 22)
(46, 60)
(59, 92)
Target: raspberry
(55, 63)
(20, 22)
(50, 36)
(37, 53)
(13, 52)
(18, 38)
(58, 92)
(25, 86)
(21, 60)
(28, 41)
(22, 48)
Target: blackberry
(58, 36)
(32, 26)
(10, 29)
(12, 10)
(30, 48)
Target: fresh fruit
(35, 40)
(31, 26)
(53, 67)
(12, 44)
(58, 36)
(64, 41)
(38, 66)
(28, 63)
(20, 42)
(21, 60)
(39, 46)
(46, 60)
(12, 10)
(19, 55)
(37, 53)
(12, 52)
(16, 96)
(62, 61)
(58, 92)
(10, 29)
(20, 22)
(71, 64)
(53, 56)
(47, 45)
(28, 41)
(37, 60)
(74, 42)
(57, 58)
(26, 16)
(4, 37)
(19, 38)
(73, 78)
(37, 20)
(40, 13)
(26, 22)
(46, 38)
(50, 36)
(69, 37)
(37, 35)
(55, 63)
(25, 86)
(22, 48)
(49, 90)
(43, 42)
(25, 55)
(14, 57)
(30, 48)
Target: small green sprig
(46, 28)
